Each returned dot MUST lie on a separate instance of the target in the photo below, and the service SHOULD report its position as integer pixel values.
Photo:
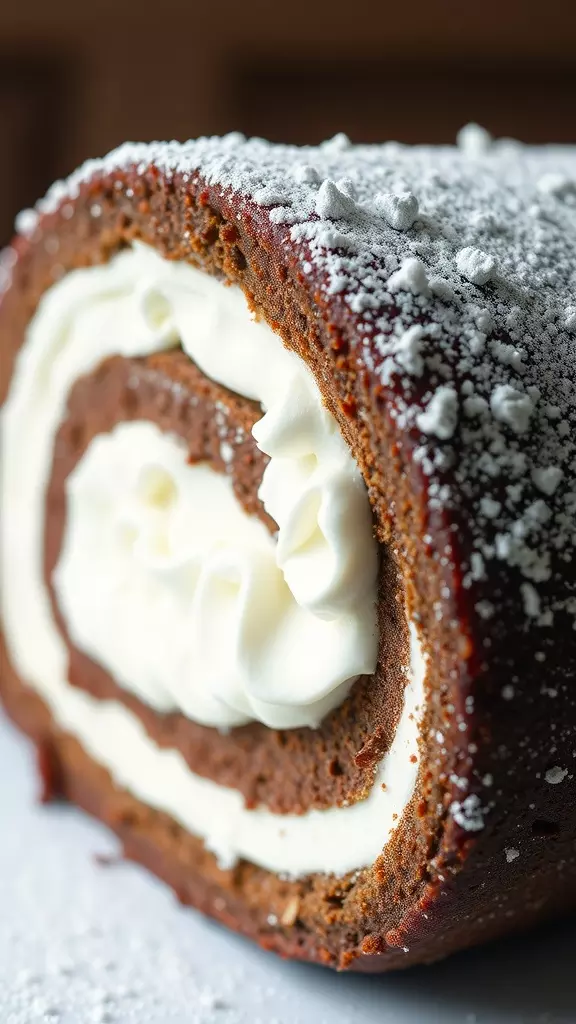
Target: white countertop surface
(83, 942)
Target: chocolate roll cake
(288, 530)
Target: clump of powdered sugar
(474, 245)
(476, 266)
(441, 414)
(554, 776)
(411, 277)
(474, 140)
(468, 813)
(512, 407)
(333, 203)
(399, 209)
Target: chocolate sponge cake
(288, 505)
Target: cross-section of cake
(288, 504)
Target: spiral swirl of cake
(287, 529)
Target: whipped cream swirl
(163, 579)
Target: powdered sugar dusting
(476, 246)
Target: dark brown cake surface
(430, 294)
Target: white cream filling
(170, 585)
(333, 841)
(324, 557)
(316, 587)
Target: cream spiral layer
(121, 309)
(300, 613)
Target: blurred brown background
(77, 78)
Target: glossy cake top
(451, 272)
